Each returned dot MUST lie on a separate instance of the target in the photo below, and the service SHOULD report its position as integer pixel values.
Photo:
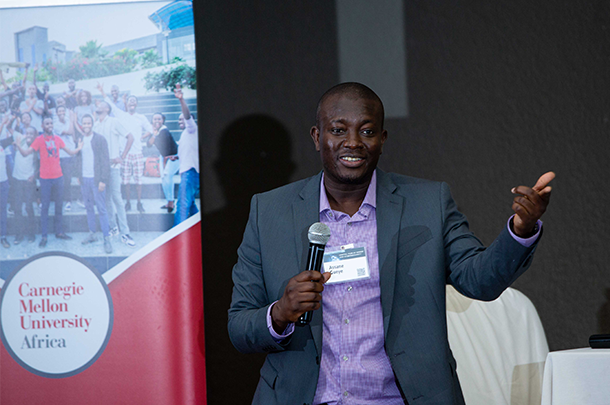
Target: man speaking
(379, 332)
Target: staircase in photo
(144, 227)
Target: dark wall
(498, 92)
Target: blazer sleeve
(248, 312)
(474, 270)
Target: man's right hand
(303, 293)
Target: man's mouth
(351, 161)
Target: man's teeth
(351, 159)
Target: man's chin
(354, 178)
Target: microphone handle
(315, 257)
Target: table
(577, 377)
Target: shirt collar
(369, 199)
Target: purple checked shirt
(355, 368)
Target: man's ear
(315, 135)
(384, 137)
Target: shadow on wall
(255, 155)
(603, 315)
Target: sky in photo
(73, 26)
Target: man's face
(102, 108)
(71, 85)
(115, 92)
(32, 91)
(181, 121)
(157, 121)
(349, 138)
(87, 124)
(47, 125)
(132, 103)
(61, 113)
(45, 88)
(26, 119)
(30, 135)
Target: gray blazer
(423, 242)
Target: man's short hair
(114, 86)
(87, 116)
(350, 89)
(26, 113)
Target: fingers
(526, 205)
(544, 180)
(309, 276)
(545, 191)
(301, 295)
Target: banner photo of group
(100, 237)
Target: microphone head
(318, 234)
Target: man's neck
(345, 197)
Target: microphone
(318, 236)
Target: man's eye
(368, 132)
(336, 131)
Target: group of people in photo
(46, 141)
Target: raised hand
(100, 87)
(178, 92)
(530, 204)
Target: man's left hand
(530, 204)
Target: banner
(100, 258)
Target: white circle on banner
(56, 315)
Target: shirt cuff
(287, 332)
(527, 242)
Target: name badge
(347, 264)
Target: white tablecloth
(577, 377)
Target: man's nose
(353, 140)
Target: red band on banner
(155, 354)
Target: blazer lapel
(306, 211)
(389, 213)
